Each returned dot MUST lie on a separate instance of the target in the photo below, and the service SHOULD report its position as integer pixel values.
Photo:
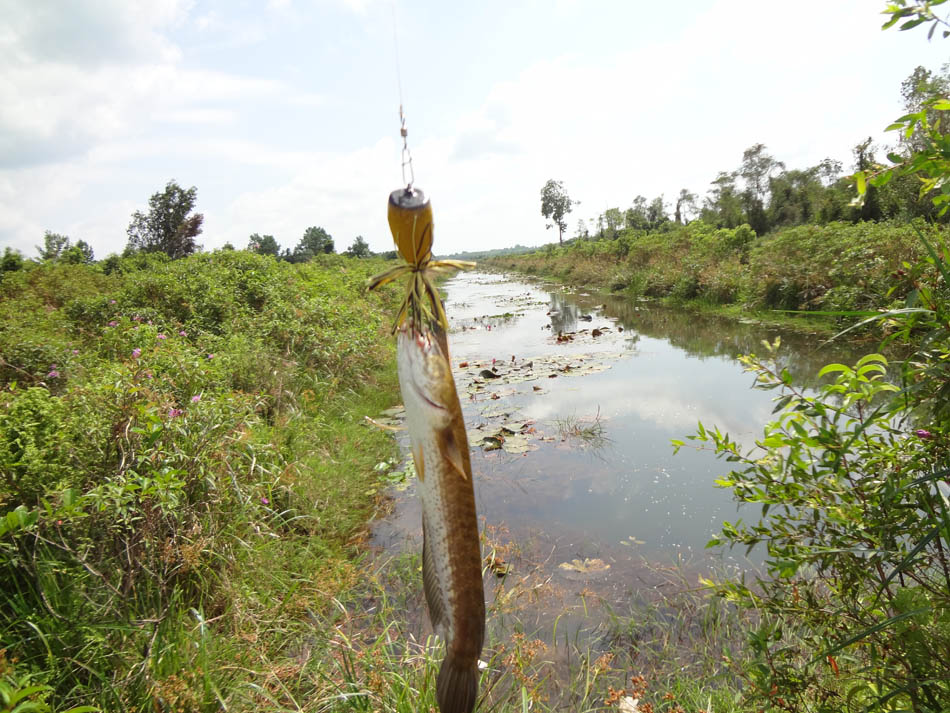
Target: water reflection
(668, 370)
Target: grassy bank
(184, 473)
(834, 267)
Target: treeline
(766, 195)
(484, 254)
(171, 226)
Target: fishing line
(403, 129)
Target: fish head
(424, 367)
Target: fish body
(451, 555)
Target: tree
(359, 248)
(636, 216)
(756, 170)
(59, 248)
(863, 161)
(263, 245)
(656, 213)
(555, 205)
(685, 205)
(11, 261)
(78, 254)
(613, 220)
(314, 242)
(723, 207)
(53, 245)
(168, 226)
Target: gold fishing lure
(410, 221)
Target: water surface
(650, 375)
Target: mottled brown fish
(451, 555)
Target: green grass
(776, 278)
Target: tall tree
(685, 206)
(863, 161)
(359, 248)
(635, 217)
(79, 254)
(169, 226)
(263, 245)
(756, 170)
(555, 205)
(723, 207)
(656, 213)
(315, 241)
(613, 220)
(53, 245)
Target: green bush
(155, 423)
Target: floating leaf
(585, 566)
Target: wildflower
(174, 412)
(923, 434)
(53, 374)
(136, 318)
(162, 336)
(211, 356)
(111, 302)
(113, 323)
(182, 333)
(265, 501)
(196, 398)
(75, 351)
(148, 375)
(136, 353)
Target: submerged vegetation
(185, 474)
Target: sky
(285, 114)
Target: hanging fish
(451, 555)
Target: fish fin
(430, 583)
(451, 452)
(457, 685)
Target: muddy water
(575, 477)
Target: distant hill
(483, 254)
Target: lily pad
(585, 566)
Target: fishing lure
(410, 221)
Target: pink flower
(136, 353)
(111, 302)
(211, 356)
(53, 374)
(196, 398)
(173, 412)
(113, 323)
(183, 333)
(923, 434)
(75, 351)
(162, 336)
(265, 501)
(136, 318)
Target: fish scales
(452, 573)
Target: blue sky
(284, 114)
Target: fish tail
(457, 685)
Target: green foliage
(555, 205)
(169, 227)
(315, 241)
(263, 245)
(11, 261)
(158, 426)
(359, 248)
(856, 530)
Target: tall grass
(183, 471)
